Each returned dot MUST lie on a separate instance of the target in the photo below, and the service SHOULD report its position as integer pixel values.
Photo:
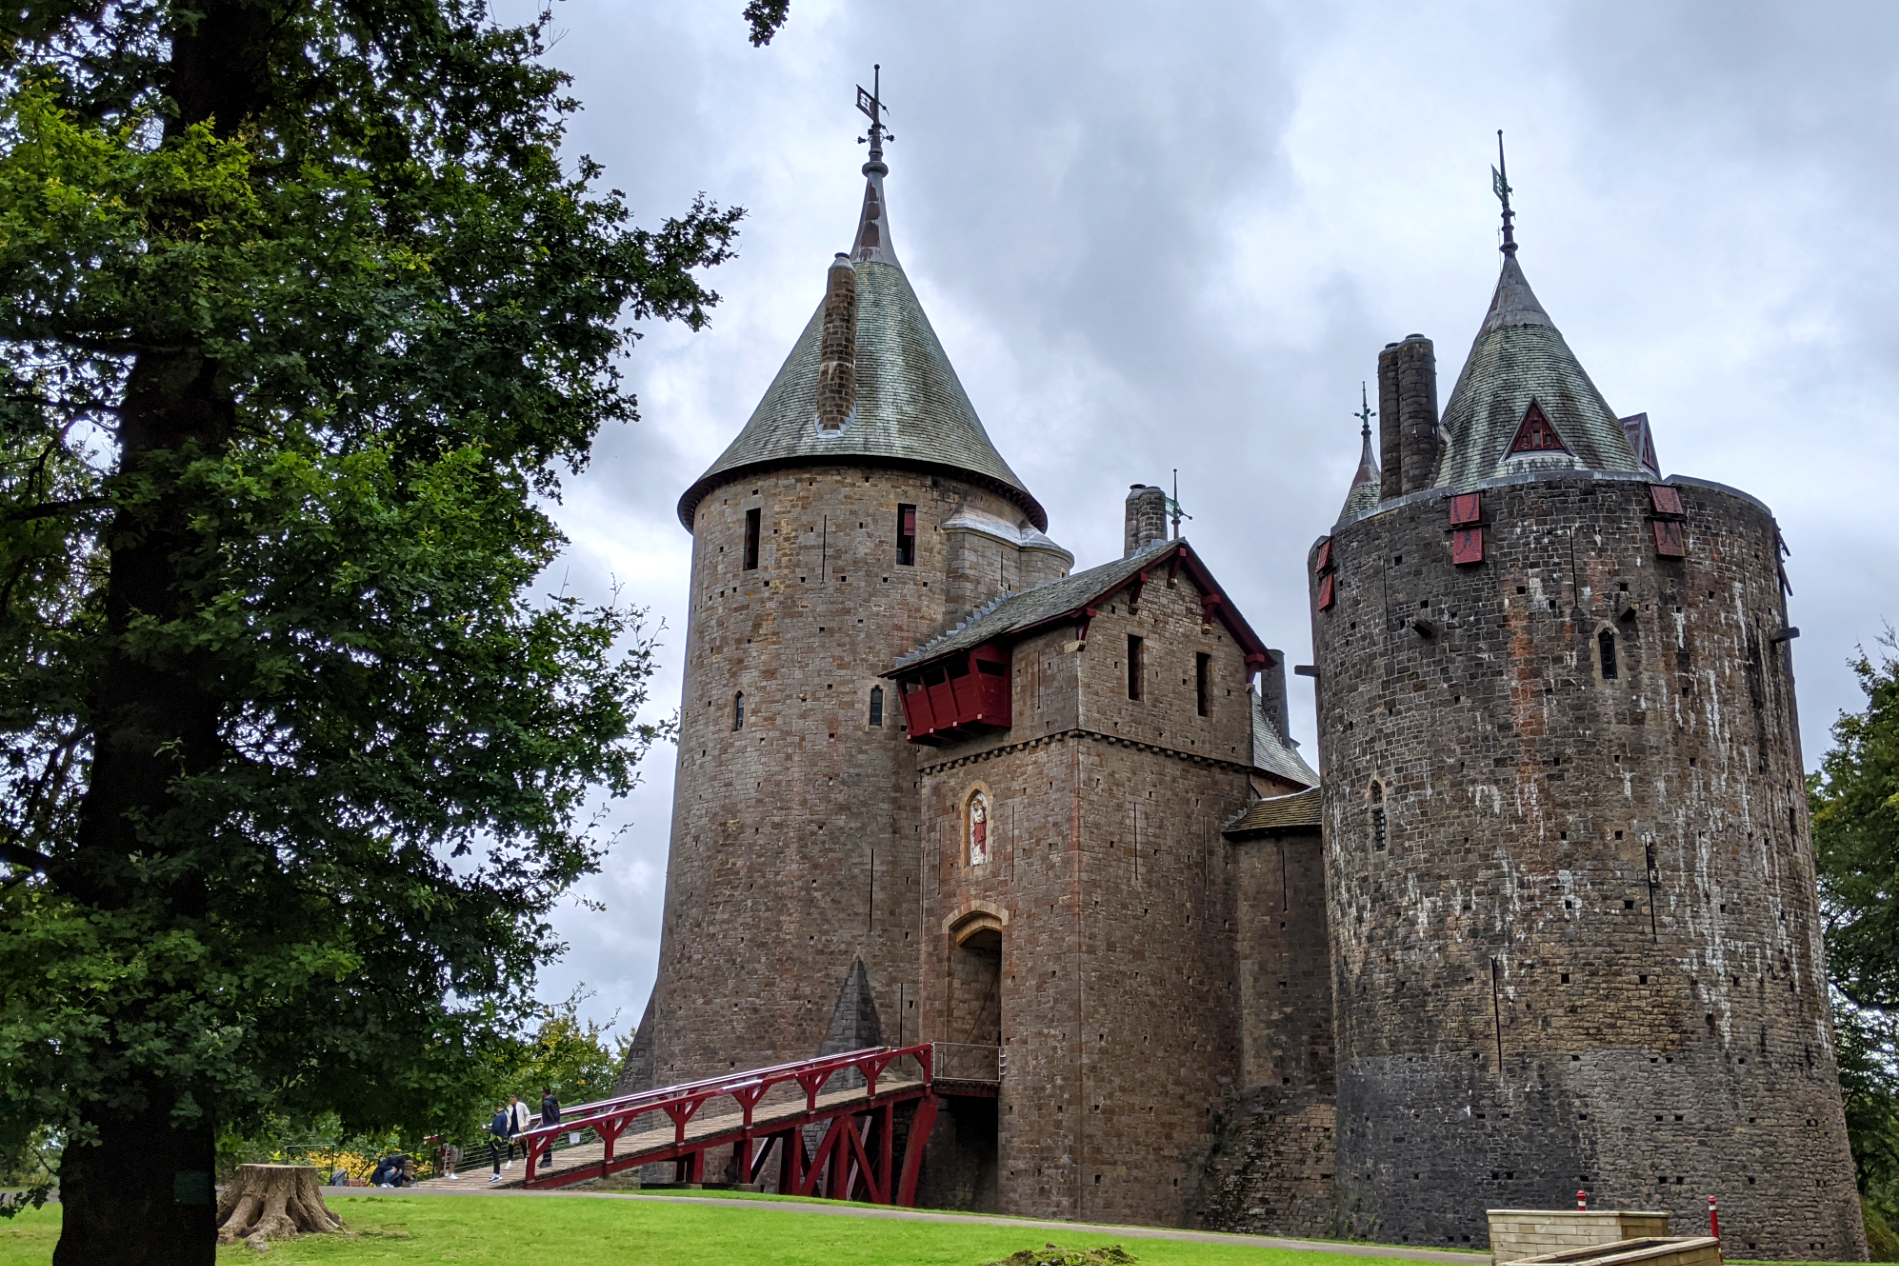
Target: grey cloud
(1158, 236)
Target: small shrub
(1053, 1255)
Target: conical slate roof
(1365, 487)
(1519, 357)
(910, 409)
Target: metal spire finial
(1173, 506)
(1500, 182)
(871, 103)
(1365, 412)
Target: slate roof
(1275, 752)
(1365, 487)
(911, 409)
(1012, 613)
(1298, 811)
(1520, 356)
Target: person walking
(448, 1156)
(518, 1122)
(550, 1115)
(500, 1135)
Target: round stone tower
(1575, 936)
(860, 511)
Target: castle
(1547, 922)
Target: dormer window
(1536, 434)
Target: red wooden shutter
(1467, 545)
(1466, 509)
(1324, 559)
(1668, 538)
(1665, 499)
(1327, 593)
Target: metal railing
(651, 1110)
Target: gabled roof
(911, 410)
(1015, 615)
(1275, 752)
(1299, 811)
(1518, 357)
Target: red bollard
(1582, 1201)
(1714, 1220)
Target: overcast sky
(1158, 236)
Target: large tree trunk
(140, 1193)
(273, 1202)
(140, 1196)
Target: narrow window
(751, 540)
(738, 710)
(906, 536)
(1605, 647)
(1202, 670)
(1134, 667)
(1377, 816)
(876, 705)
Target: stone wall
(1116, 898)
(795, 838)
(1269, 1166)
(1582, 949)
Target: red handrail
(609, 1118)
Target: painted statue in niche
(978, 829)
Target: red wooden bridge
(849, 1103)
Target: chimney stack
(1390, 453)
(837, 354)
(1146, 517)
(1407, 416)
(1417, 410)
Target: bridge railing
(650, 1111)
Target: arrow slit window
(906, 536)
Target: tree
(301, 323)
(1855, 804)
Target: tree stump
(273, 1202)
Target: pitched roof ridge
(1054, 594)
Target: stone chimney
(1407, 416)
(1147, 517)
(1390, 450)
(837, 356)
(1417, 410)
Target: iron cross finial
(872, 104)
(1365, 412)
(1500, 183)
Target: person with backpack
(500, 1136)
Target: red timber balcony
(958, 696)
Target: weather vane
(1365, 412)
(872, 104)
(1500, 182)
(1173, 505)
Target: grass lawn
(578, 1231)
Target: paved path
(1404, 1252)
